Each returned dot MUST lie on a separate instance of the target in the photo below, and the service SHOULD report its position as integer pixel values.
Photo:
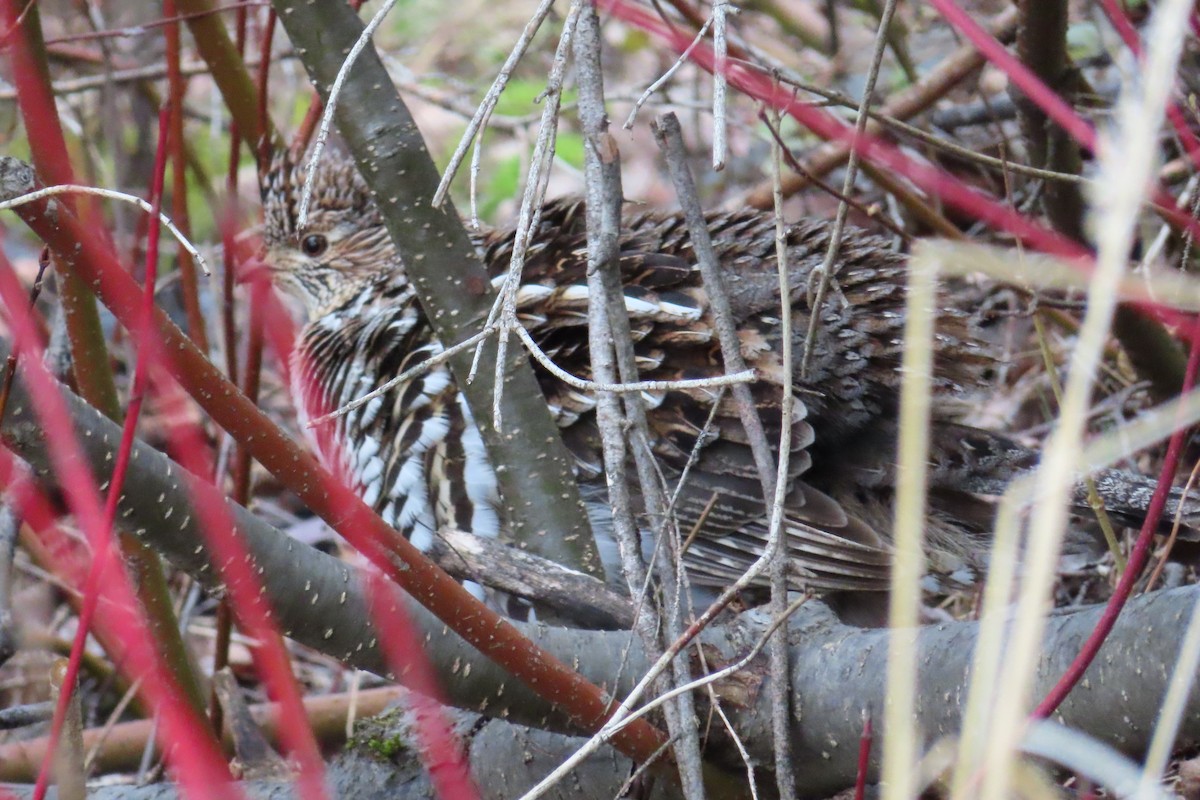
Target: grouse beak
(254, 270)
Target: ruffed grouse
(417, 458)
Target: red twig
(280, 332)
(1054, 106)
(1120, 21)
(1137, 559)
(15, 22)
(405, 655)
(187, 444)
(864, 756)
(403, 650)
(102, 540)
(37, 103)
(229, 222)
(231, 557)
(246, 599)
(764, 88)
(183, 736)
(200, 765)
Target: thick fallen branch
(838, 673)
(573, 596)
(122, 748)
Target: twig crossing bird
(417, 458)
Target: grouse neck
(390, 290)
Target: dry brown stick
(69, 778)
(670, 140)
(255, 757)
(122, 748)
(904, 105)
(582, 599)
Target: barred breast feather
(414, 453)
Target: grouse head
(343, 246)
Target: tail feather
(1127, 495)
(983, 462)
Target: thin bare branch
(666, 76)
(331, 103)
(611, 350)
(720, 147)
(785, 778)
(827, 271)
(109, 194)
(480, 120)
(531, 205)
(746, 376)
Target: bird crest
(343, 245)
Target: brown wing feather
(853, 380)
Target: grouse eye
(314, 244)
